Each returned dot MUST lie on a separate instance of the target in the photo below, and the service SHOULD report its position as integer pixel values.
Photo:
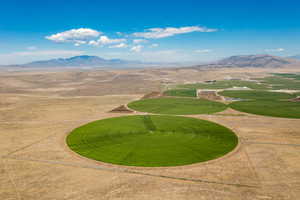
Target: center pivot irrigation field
(258, 100)
(181, 92)
(177, 106)
(274, 104)
(152, 140)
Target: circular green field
(284, 108)
(266, 103)
(181, 93)
(177, 106)
(256, 95)
(152, 140)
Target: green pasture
(152, 140)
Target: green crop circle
(177, 106)
(152, 140)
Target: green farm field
(256, 95)
(273, 104)
(181, 92)
(177, 106)
(285, 109)
(288, 75)
(152, 140)
(275, 81)
(223, 84)
(283, 81)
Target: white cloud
(79, 42)
(121, 45)
(137, 48)
(138, 41)
(275, 50)
(74, 35)
(154, 45)
(203, 51)
(85, 36)
(170, 31)
(103, 40)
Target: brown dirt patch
(121, 109)
(152, 95)
(297, 99)
(210, 95)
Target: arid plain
(39, 108)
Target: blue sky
(168, 31)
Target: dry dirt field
(39, 108)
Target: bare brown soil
(121, 109)
(38, 110)
(210, 95)
(152, 95)
(297, 99)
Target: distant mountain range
(81, 61)
(259, 61)
(295, 57)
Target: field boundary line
(128, 171)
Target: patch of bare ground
(297, 99)
(121, 109)
(152, 95)
(210, 95)
(35, 162)
(231, 112)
